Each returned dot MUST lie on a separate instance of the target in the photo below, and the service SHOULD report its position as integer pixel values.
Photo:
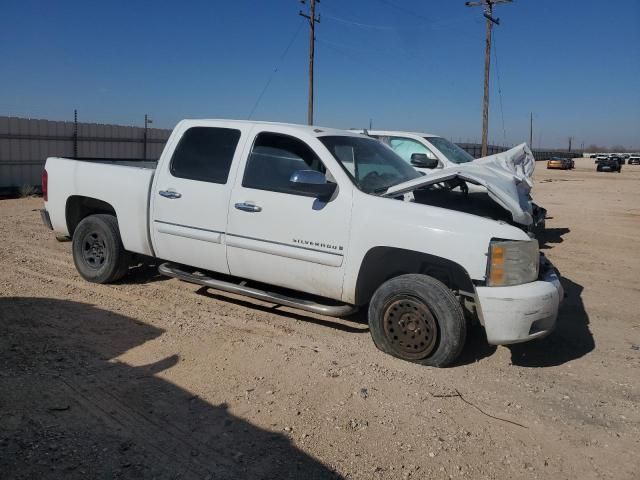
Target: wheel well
(79, 208)
(383, 263)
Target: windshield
(450, 150)
(372, 166)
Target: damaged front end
(497, 187)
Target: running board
(330, 310)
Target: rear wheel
(418, 319)
(98, 252)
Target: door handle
(248, 207)
(169, 194)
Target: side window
(205, 154)
(405, 147)
(274, 158)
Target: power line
(404, 9)
(358, 24)
(275, 69)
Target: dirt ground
(154, 378)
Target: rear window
(205, 154)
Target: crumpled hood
(506, 177)
(518, 161)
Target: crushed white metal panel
(506, 188)
(518, 161)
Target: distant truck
(312, 218)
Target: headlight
(512, 262)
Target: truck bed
(123, 184)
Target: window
(205, 154)
(274, 158)
(450, 150)
(372, 166)
(405, 147)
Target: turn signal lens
(512, 262)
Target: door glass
(274, 158)
(205, 154)
(405, 147)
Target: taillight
(45, 185)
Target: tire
(418, 319)
(599, 168)
(98, 252)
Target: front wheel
(98, 252)
(417, 318)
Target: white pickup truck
(325, 217)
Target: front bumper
(522, 312)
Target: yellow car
(561, 163)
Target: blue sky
(405, 64)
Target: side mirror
(421, 160)
(311, 183)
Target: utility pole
(488, 14)
(570, 140)
(312, 47)
(531, 131)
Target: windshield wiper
(380, 190)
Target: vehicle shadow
(144, 270)
(308, 318)
(69, 408)
(476, 347)
(572, 338)
(551, 235)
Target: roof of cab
(397, 133)
(313, 130)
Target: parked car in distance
(617, 157)
(634, 160)
(601, 157)
(311, 218)
(609, 164)
(593, 155)
(560, 163)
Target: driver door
(279, 236)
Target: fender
(382, 263)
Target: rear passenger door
(278, 236)
(191, 192)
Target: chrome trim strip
(187, 226)
(340, 310)
(284, 244)
(186, 231)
